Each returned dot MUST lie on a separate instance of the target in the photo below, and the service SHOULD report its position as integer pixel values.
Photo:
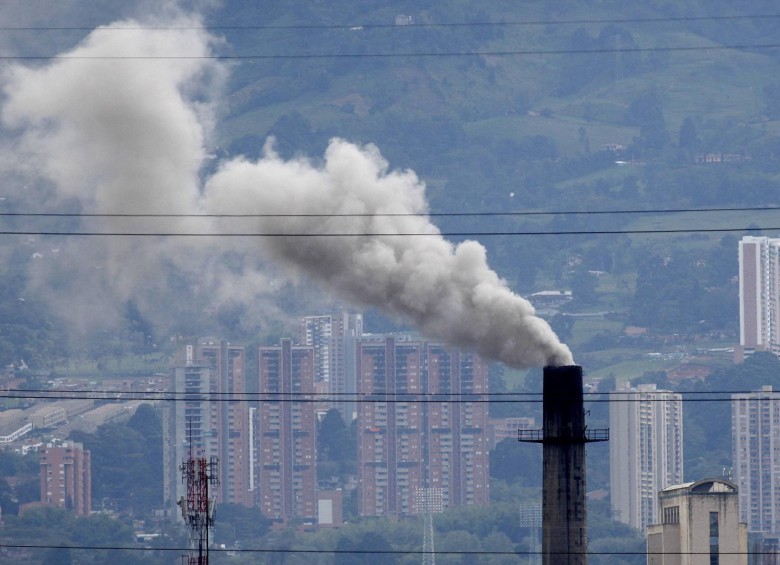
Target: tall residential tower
(405, 445)
(755, 434)
(211, 420)
(286, 438)
(759, 295)
(645, 451)
(66, 477)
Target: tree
(514, 461)
(583, 287)
(336, 447)
(646, 111)
(688, 137)
(236, 524)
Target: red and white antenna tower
(197, 508)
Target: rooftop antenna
(197, 509)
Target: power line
(387, 234)
(512, 53)
(367, 551)
(368, 26)
(392, 214)
(292, 394)
(364, 398)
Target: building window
(671, 515)
(714, 538)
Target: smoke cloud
(127, 135)
(447, 291)
(118, 125)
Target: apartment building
(645, 450)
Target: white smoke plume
(112, 135)
(118, 125)
(447, 291)
(127, 135)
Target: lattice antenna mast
(197, 508)
(430, 501)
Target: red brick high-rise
(404, 444)
(66, 477)
(286, 436)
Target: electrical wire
(649, 231)
(365, 551)
(379, 397)
(353, 394)
(361, 26)
(432, 54)
(393, 214)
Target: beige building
(699, 525)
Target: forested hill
(578, 105)
(652, 77)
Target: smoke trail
(127, 136)
(123, 134)
(447, 291)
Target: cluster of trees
(127, 479)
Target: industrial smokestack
(564, 528)
(564, 518)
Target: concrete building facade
(645, 450)
(759, 295)
(698, 523)
(755, 431)
(66, 477)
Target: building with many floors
(405, 445)
(210, 420)
(755, 440)
(333, 338)
(759, 295)
(645, 450)
(286, 434)
(66, 477)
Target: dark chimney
(564, 525)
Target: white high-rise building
(645, 451)
(755, 430)
(759, 295)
